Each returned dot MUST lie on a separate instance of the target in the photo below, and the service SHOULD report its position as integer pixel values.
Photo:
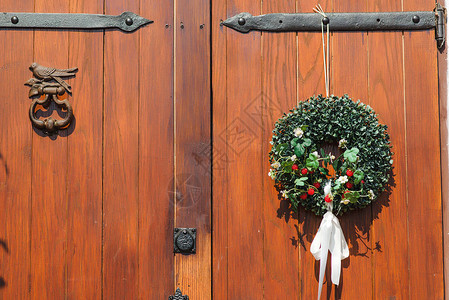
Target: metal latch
(184, 240)
(372, 21)
(178, 296)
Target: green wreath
(300, 167)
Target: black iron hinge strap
(380, 21)
(126, 21)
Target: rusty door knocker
(48, 82)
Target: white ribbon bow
(329, 238)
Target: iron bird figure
(48, 74)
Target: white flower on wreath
(342, 143)
(345, 201)
(343, 179)
(272, 174)
(316, 154)
(371, 194)
(331, 156)
(276, 165)
(284, 194)
(298, 132)
(293, 157)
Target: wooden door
(89, 212)
(261, 248)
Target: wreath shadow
(356, 227)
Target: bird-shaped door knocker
(45, 87)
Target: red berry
(349, 173)
(327, 198)
(304, 171)
(303, 196)
(349, 185)
(317, 185)
(363, 181)
(311, 192)
(295, 167)
(311, 172)
(343, 196)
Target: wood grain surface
(156, 160)
(423, 161)
(193, 143)
(15, 159)
(279, 66)
(49, 178)
(243, 137)
(220, 155)
(84, 158)
(390, 254)
(121, 159)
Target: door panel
(15, 159)
(156, 161)
(423, 161)
(49, 179)
(84, 161)
(385, 59)
(193, 143)
(396, 74)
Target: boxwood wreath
(300, 167)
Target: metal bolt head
(129, 21)
(60, 90)
(325, 20)
(415, 19)
(241, 21)
(15, 20)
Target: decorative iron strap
(127, 21)
(278, 22)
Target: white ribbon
(329, 238)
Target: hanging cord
(318, 9)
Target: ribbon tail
(336, 257)
(326, 233)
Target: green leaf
(352, 196)
(312, 162)
(307, 142)
(280, 147)
(299, 150)
(324, 170)
(358, 176)
(294, 142)
(322, 153)
(351, 154)
(301, 181)
(337, 185)
(304, 127)
(337, 164)
(287, 165)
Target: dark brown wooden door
(172, 129)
